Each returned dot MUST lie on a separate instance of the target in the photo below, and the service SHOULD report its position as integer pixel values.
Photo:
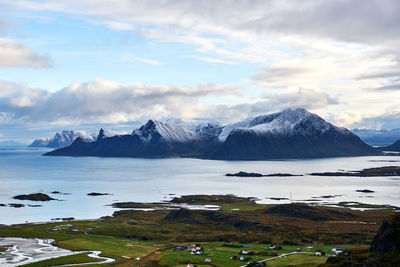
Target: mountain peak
(101, 134)
(168, 133)
(287, 122)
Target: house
(234, 257)
(272, 247)
(207, 260)
(318, 253)
(339, 250)
(241, 258)
(198, 250)
(333, 250)
(244, 252)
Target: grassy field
(135, 237)
(303, 260)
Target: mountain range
(383, 137)
(292, 133)
(67, 137)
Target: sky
(86, 64)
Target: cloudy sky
(83, 64)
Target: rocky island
(370, 172)
(34, 197)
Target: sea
(25, 170)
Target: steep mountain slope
(66, 137)
(61, 139)
(40, 142)
(154, 139)
(292, 133)
(393, 147)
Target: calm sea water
(25, 171)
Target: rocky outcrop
(34, 197)
(388, 237)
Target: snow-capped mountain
(61, 139)
(288, 122)
(40, 142)
(106, 133)
(67, 137)
(159, 131)
(292, 133)
(208, 130)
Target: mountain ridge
(292, 133)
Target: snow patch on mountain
(288, 122)
(170, 133)
(67, 137)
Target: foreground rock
(34, 197)
(388, 236)
(384, 249)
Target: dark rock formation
(34, 197)
(254, 174)
(94, 194)
(388, 237)
(245, 174)
(365, 191)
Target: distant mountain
(292, 133)
(154, 139)
(378, 137)
(66, 138)
(11, 143)
(393, 147)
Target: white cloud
(212, 60)
(104, 101)
(132, 58)
(346, 49)
(13, 54)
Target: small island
(254, 174)
(34, 197)
(365, 191)
(94, 194)
(370, 172)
